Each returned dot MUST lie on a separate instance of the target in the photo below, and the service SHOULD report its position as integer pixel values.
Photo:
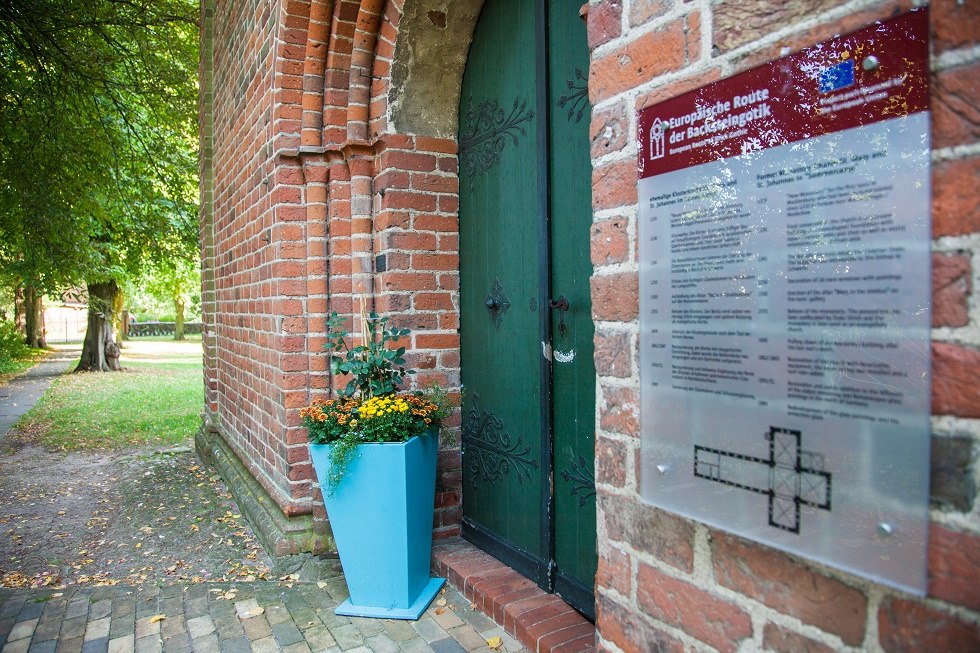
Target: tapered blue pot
(381, 517)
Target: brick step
(540, 621)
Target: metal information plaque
(785, 303)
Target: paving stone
(171, 606)
(178, 642)
(195, 607)
(223, 606)
(429, 630)
(265, 645)
(481, 623)
(100, 609)
(72, 628)
(381, 643)
(448, 645)
(100, 645)
(399, 629)
(171, 591)
(368, 627)
(97, 629)
(11, 607)
(47, 630)
(347, 636)
(319, 638)
(277, 614)
(123, 606)
(332, 619)
(104, 594)
(257, 628)
(245, 607)
(33, 609)
(197, 591)
(173, 626)
(206, 644)
(149, 644)
(22, 629)
(145, 627)
(169, 647)
(54, 610)
(447, 619)
(286, 633)
(42, 647)
(228, 626)
(305, 619)
(123, 644)
(6, 624)
(467, 637)
(298, 647)
(76, 609)
(146, 607)
(200, 627)
(235, 645)
(73, 645)
(20, 646)
(417, 645)
(122, 625)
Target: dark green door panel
(499, 186)
(573, 370)
(527, 367)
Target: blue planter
(381, 517)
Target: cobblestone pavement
(232, 618)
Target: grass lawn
(155, 401)
(11, 368)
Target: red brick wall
(309, 207)
(667, 583)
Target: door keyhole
(562, 305)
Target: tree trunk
(179, 324)
(100, 353)
(117, 315)
(19, 310)
(34, 318)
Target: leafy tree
(97, 146)
(175, 281)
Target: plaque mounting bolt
(870, 63)
(885, 529)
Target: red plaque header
(872, 75)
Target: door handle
(561, 304)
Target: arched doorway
(526, 322)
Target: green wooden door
(526, 325)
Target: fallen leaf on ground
(495, 643)
(441, 602)
(157, 617)
(254, 612)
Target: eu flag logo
(837, 77)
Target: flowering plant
(386, 418)
(370, 408)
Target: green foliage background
(98, 160)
